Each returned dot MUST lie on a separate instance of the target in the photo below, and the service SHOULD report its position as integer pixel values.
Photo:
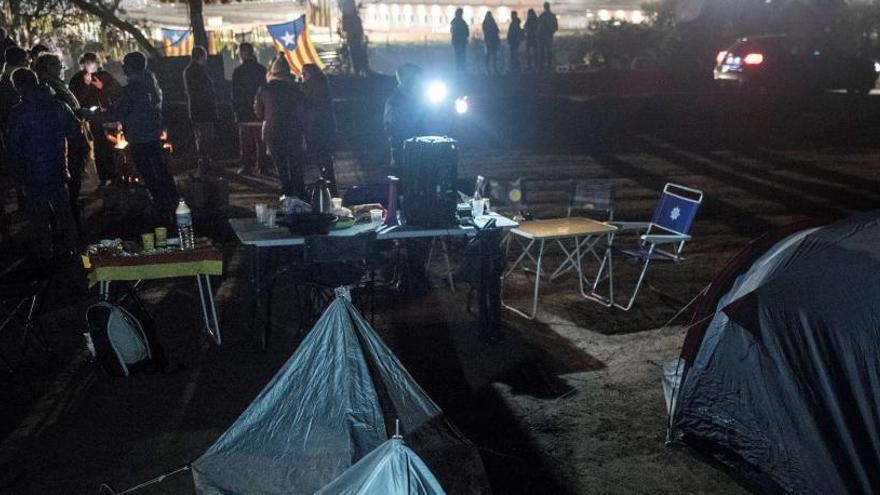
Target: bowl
(309, 223)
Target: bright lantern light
(436, 91)
(753, 59)
(461, 105)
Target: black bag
(119, 342)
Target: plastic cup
(149, 241)
(161, 237)
(376, 216)
(479, 207)
(271, 214)
(335, 203)
(261, 212)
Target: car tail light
(753, 59)
(721, 56)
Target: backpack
(116, 339)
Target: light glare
(436, 91)
(461, 105)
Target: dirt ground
(568, 403)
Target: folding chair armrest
(630, 226)
(657, 239)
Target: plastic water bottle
(184, 225)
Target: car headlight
(461, 105)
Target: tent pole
(106, 488)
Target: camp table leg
(209, 309)
(606, 261)
(257, 307)
(537, 288)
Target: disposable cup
(149, 241)
(271, 213)
(161, 237)
(376, 216)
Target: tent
(781, 377)
(333, 402)
(391, 469)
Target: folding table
(201, 263)
(586, 234)
(258, 238)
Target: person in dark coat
(547, 27)
(41, 130)
(246, 80)
(279, 104)
(404, 111)
(492, 38)
(514, 39)
(460, 32)
(48, 68)
(5, 42)
(15, 57)
(97, 89)
(531, 32)
(320, 122)
(202, 104)
(140, 112)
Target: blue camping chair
(661, 239)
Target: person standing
(404, 112)
(5, 42)
(547, 27)
(41, 130)
(246, 80)
(320, 123)
(492, 38)
(514, 38)
(97, 89)
(48, 68)
(531, 33)
(140, 111)
(15, 58)
(279, 104)
(460, 32)
(202, 105)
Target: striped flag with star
(292, 39)
(180, 42)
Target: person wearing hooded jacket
(140, 112)
(492, 38)
(41, 130)
(404, 111)
(48, 68)
(279, 104)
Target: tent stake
(106, 488)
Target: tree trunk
(197, 22)
(354, 37)
(112, 19)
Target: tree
(41, 20)
(107, 15)
(353, 37)
(197, 22)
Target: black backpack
(118, 341)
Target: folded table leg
(209, 309)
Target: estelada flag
(292, 39)
(180, 42)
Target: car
(787, 62)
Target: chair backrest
(545, 198)
(340, 249)
(506, 194)
(676, 209)
(590, 197)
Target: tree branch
(123, 25)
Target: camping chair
(591, 199)
(23, 288)
(661, 239)
(336, 261)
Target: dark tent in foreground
(334, 401)
(391, 469)
(783, 383)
